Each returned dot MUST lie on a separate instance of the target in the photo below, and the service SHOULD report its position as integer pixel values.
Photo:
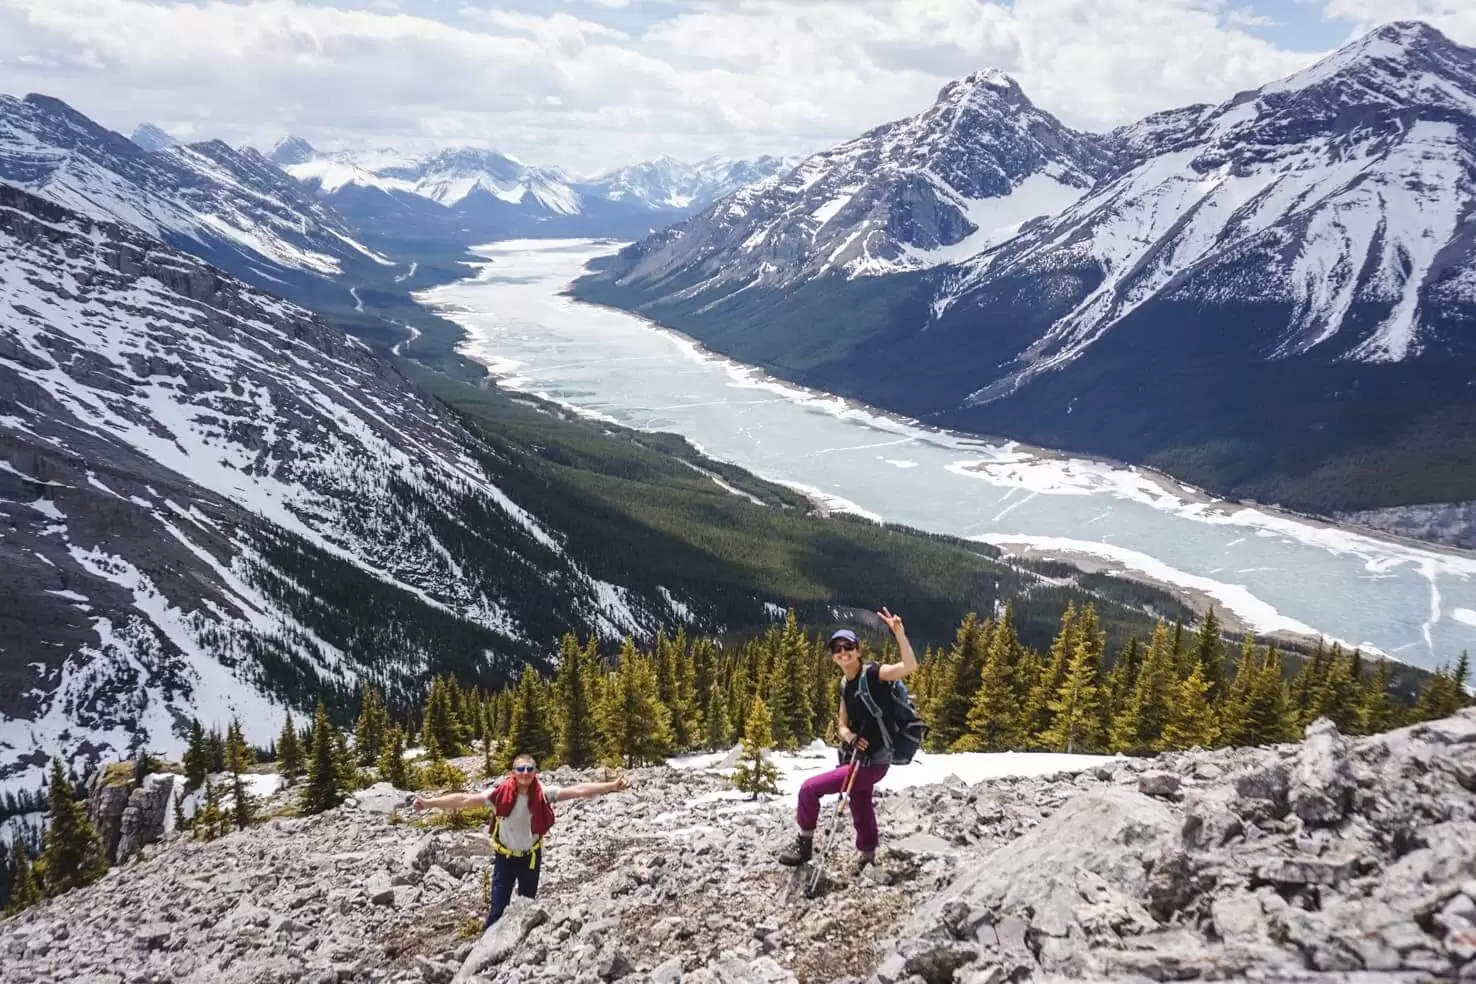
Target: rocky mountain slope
(1332, 860)
(465, 195)
(232, 208)
(215, 500)
(1172, 293)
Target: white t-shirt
(515, 831)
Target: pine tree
(786, 692)
(323, 789)
(636, 726)
(238, 763)
(1191, 719)
(210, 820)
(71, 852)
(686, 712)
(1075, 722)
(442, 731)
(289, 752)
(391, 765)
(719, 730)
(1209, 654)
(1039, 715)
(529, 733)
(1233, 712)
(1269, 715)
(24, 892)
(753, 774)
(577, 744)
(1378, 710)
(994, 720)
(961, 677)
(1138, 726)
(370, 730)
(196, 757)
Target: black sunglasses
(525, 768)
(842, 647)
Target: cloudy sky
(589, 84)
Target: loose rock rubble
(1334, 859)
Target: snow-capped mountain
(915, 193)
(234, 208)
(150, 137)
(1033, 281)
(667, 184)
(1341, 197)
(477, 194)
(214, 502)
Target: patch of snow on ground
(926, 768)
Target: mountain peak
(291, 150)
(988, 83)
(152, 138)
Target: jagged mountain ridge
(910, 194)
(230, 207)
(215, 500)
(1295, 238)
(470, 194)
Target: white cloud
(591, 83)
(1457, 18)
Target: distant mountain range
(1272, 297)
(473, 195)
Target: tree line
(986, 691)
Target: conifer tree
(392, 766)
(196, 757)
(323, 790)
(788, 688)
(373, 724)
(1378, 711)
(1210, 656)
(577, 743)
(1191, 719)
(210, 820)
(1047, 687)
(238, 763)
(529, 733)
(289, 752)
(1075, 721)
(1269, 716)
(345, 762)
(1234, 710)
(1138, 726)
(634, 723)
(960, 678)
(686, 711)
(24, 892)
(71, 852)
(994, 721)
(441, 727)
(719, 730)
(753, 773)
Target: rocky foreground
(1330, 860)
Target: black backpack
(902, 729)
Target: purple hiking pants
(863, 814)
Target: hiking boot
(863, 858)
(797, 853)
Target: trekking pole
(840, 808)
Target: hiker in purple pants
(858, 730)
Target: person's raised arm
(449, 801)
(587, 789)
(896, 671)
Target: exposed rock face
(1335, 859)
(127, 818)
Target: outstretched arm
(449, 801)
(896, 671)
(587, 789)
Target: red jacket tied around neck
(505, 796)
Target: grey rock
(1162, 784)
(612, 964)
(669, 971)
(1321, 788)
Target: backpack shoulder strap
(863, 691)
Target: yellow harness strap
(507, 852)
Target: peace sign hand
(894, 622)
